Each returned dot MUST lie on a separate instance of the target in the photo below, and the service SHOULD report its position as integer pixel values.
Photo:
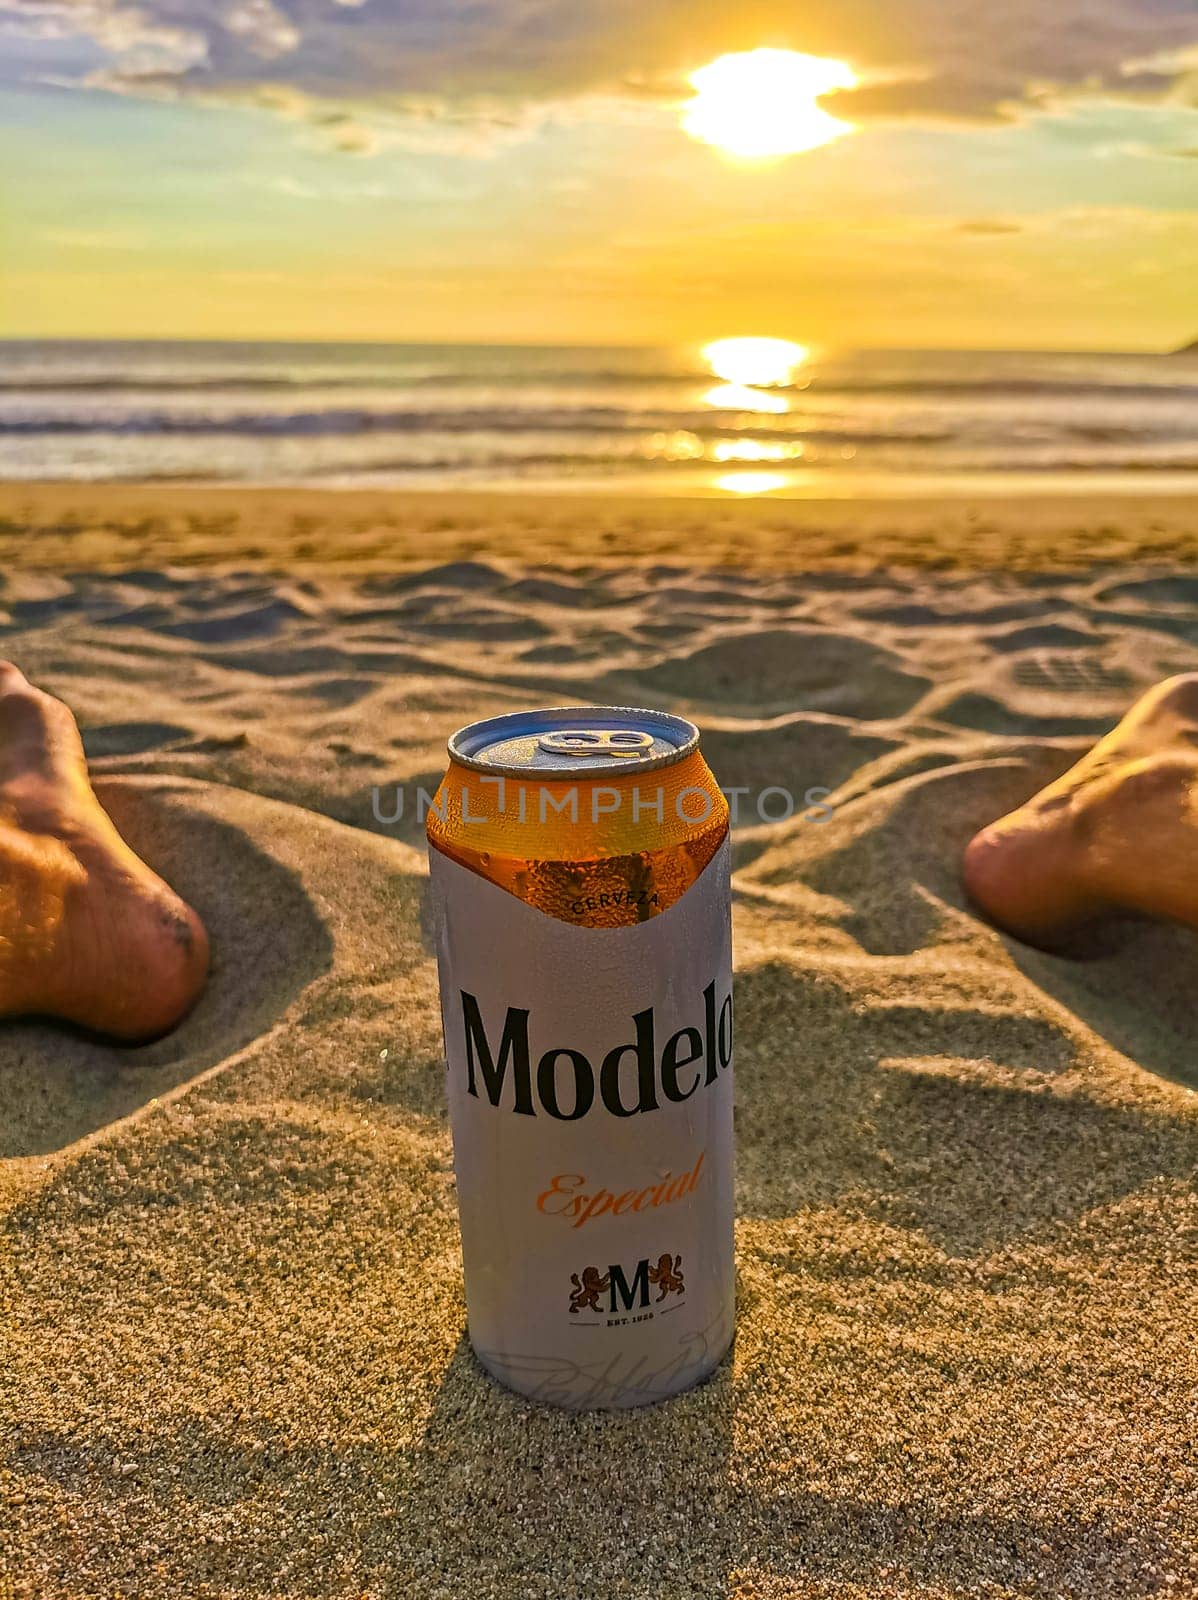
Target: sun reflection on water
(752, 482)
(757, 450)
(753, 369)
(738, 397)
(753, 372)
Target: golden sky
(532, 170)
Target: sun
(764, 363)
(761, 103)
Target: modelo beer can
(580, 876)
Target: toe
(144, 967)
(175, 971)
(986, 871)
(1027, 873)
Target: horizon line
(816, 347)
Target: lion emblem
(585, 1295)
(667, 1274)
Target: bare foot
(1118, 832)
(87, 931)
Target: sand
(232, 1360)
(111, 526)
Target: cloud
(140, 40)
(917, 58)
(989, 225)
(266, 32)
(420, 123)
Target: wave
(664, 466)
(825, 385)
(232, 382)
(104, 385)
(1010, 389)
(305, 424)
(591, 469)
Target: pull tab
(622, 743)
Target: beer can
(580, 866)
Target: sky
(1022, 176)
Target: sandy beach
(232, 1355)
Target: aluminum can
(580, 865)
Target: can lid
(574, 742)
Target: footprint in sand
(462, 575)
(238, 626)
(1176, 591)
(764, 673)
(1071, 674)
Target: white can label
(590, 1095)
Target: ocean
(639, 420)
